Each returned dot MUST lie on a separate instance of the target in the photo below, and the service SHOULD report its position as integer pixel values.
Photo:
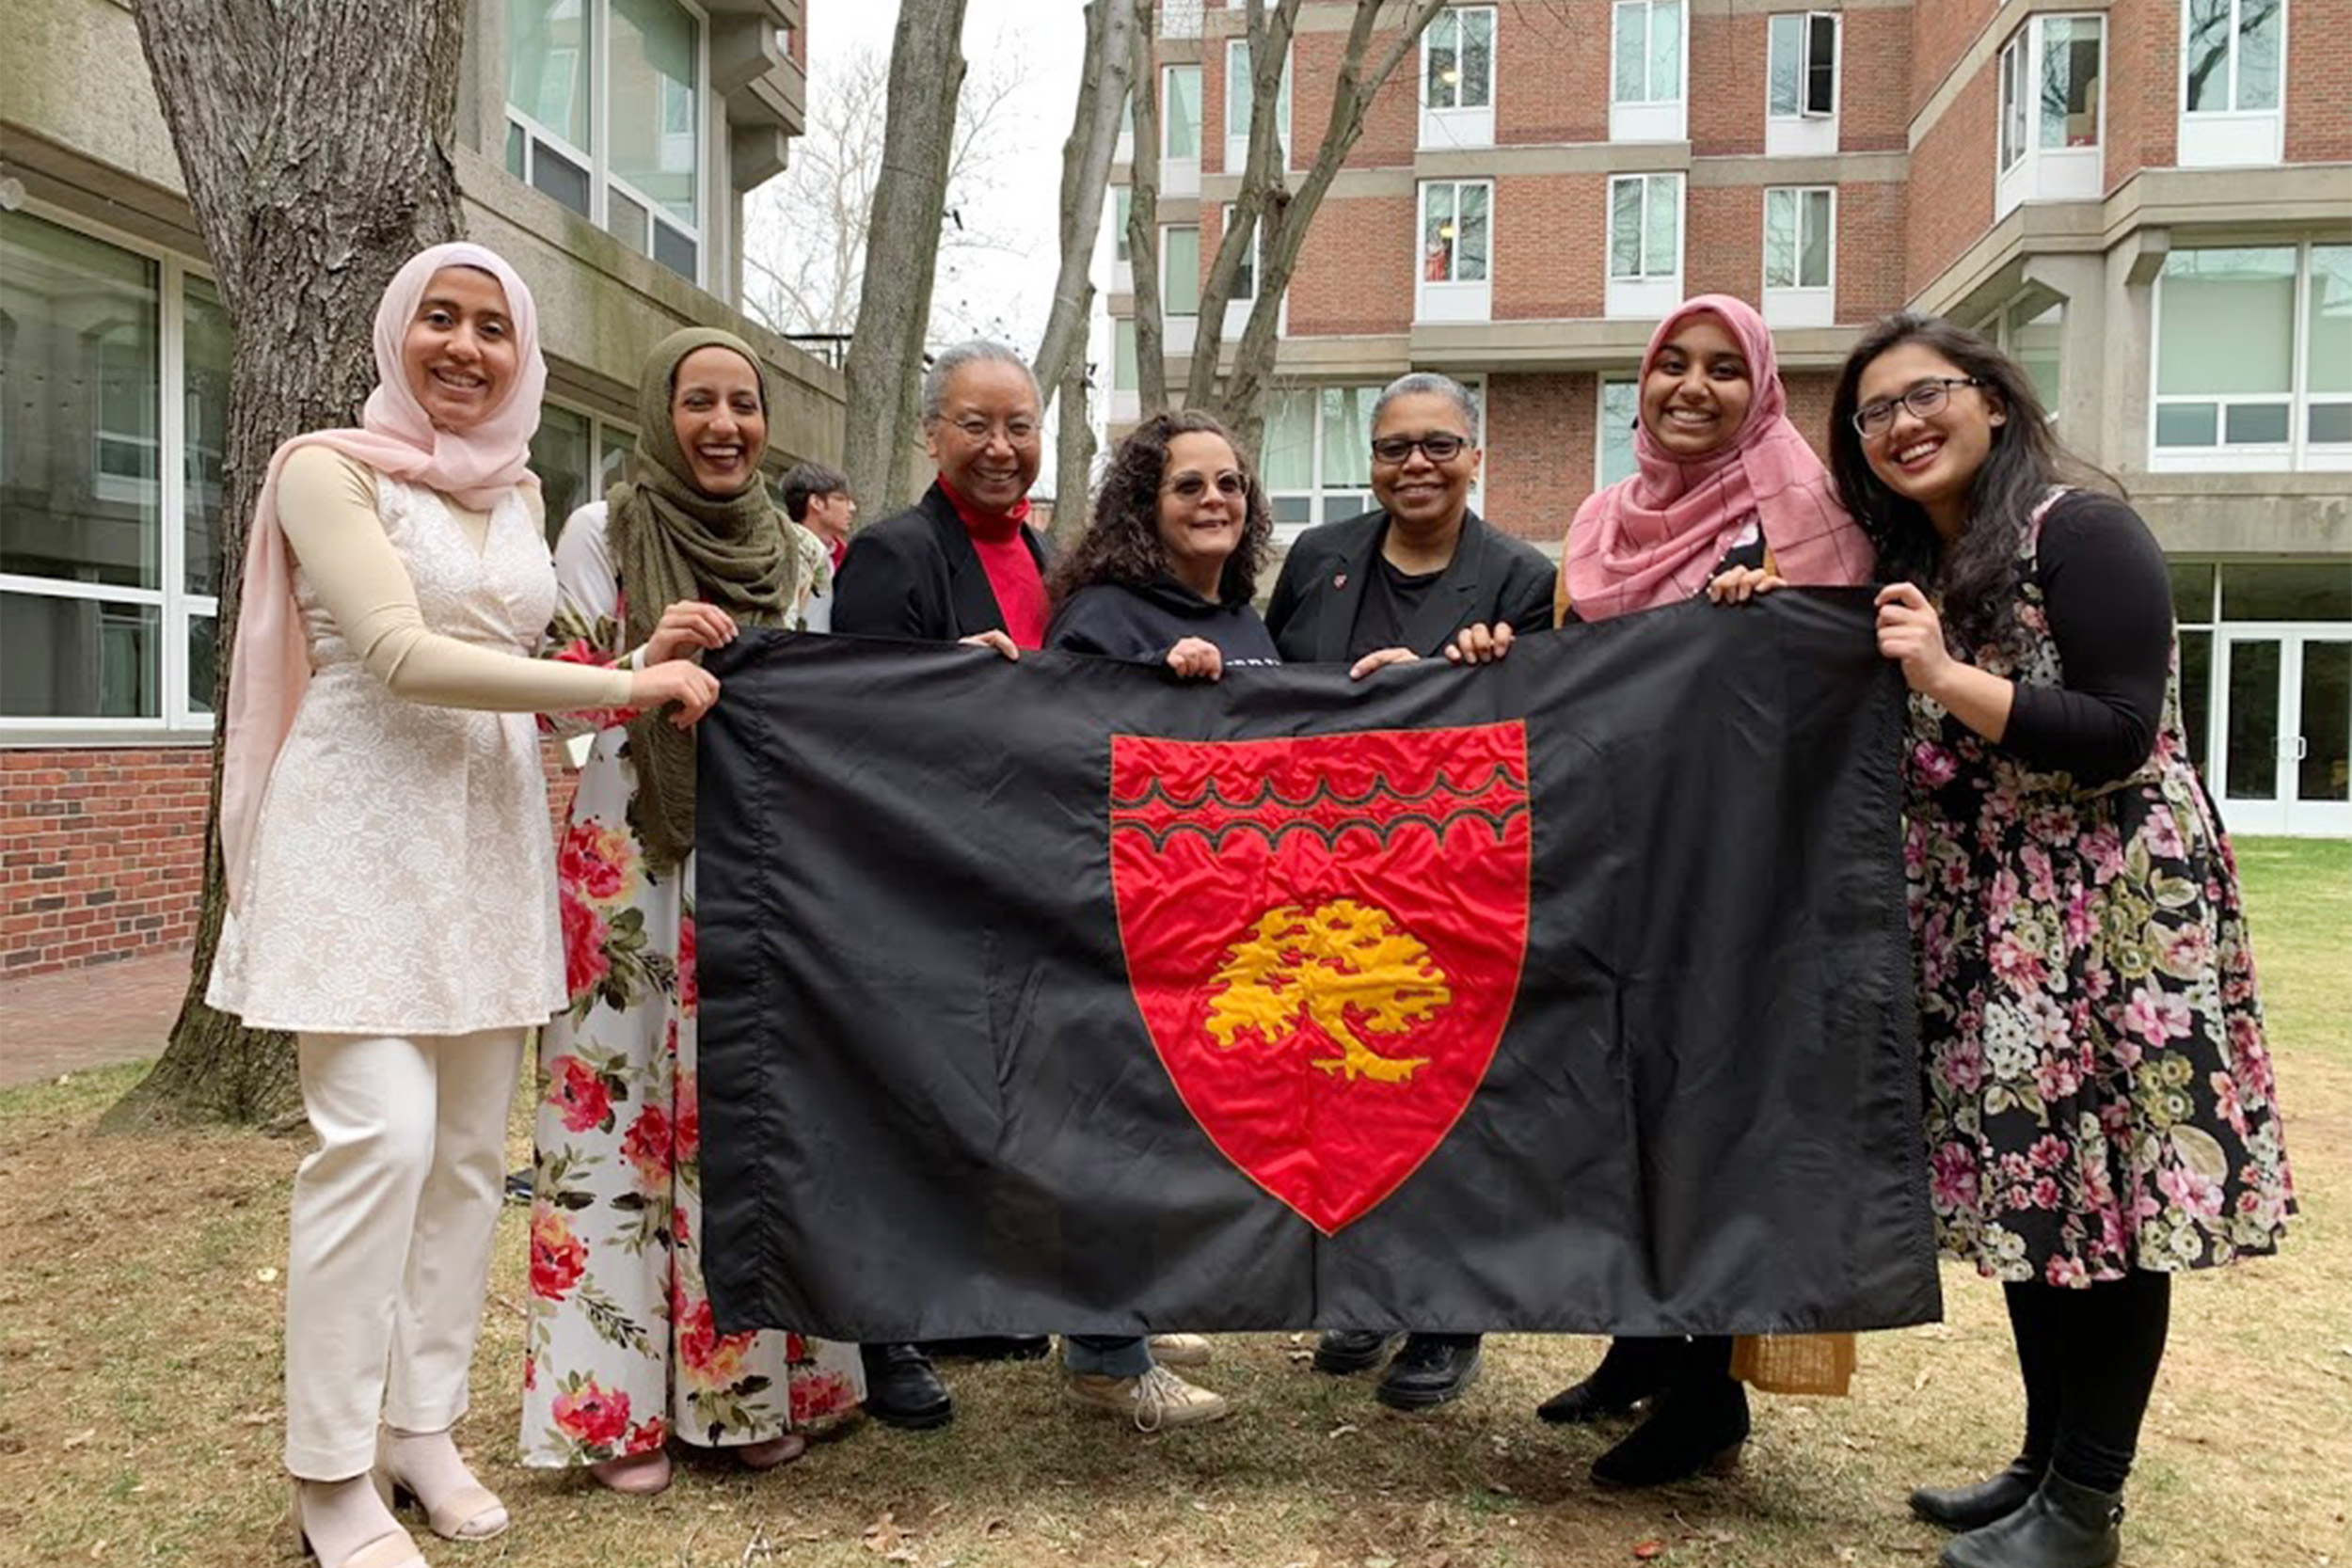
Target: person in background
(2100, 1107)
(391, 889)
(818, 498)
(1410, 580)
(621, 1355)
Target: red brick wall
(1873, 49)
(1940, 32)
(1392, 125)
(1539, 453)
(2142, 86)
(2319, 80)
(1552, 72)
(1722, 245)
(1809, 393)
(1356, 270)
(1549, 230)
(1955, 162)
(1729, 61)
(104, 853)
(1869, 244)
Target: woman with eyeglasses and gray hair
(2099, 1106)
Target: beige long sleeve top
(326, 508)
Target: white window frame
(602, 181)
(600, 428)
(1601, 383)
(1799, 304)
(1812, 131)
(1456, 125)
(1649, 118)
(1180, 178)
(1326, 503)
(1237, 143)
(1179, 330)
(1121, 406)
(1238, 308)
(2297, 453)
(2215, 138)
(1121, 262)
(1452, 299)
(2025, 170)
(176, 607)
(1649, 293)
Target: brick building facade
(2147, 201)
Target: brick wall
(1729, 59)
(1392, 125)
(1356, 270)
(104, 853)
(2319, 80)
(1870, 218)
(1873, 49)
(1549, 230)
(1940, 32)
(2142, 85)
(1551, 73)
(1954, 161)
(1539, 453)
(1723, 249)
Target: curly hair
(1979, 574)
(1122, 543)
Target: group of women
(2097, 1089)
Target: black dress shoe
(1694, 1427)
(1342, 1350)
(1975, 1507)
(989, 1347)
(2060, 1525)
(1429, 1371)
(901, 1390)
(1633, 1371)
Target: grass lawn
(141, 1288)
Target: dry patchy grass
(139, 1419)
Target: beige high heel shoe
(466, 1513)
(395, 1550)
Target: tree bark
(317, 161)
(1143, 218)
(1073, 458)
(1085, 165)
(883, 372)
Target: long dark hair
(1122, 543)
(1978, 576)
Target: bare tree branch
(1143, 215)
(1086, 171)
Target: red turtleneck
(1012, 573)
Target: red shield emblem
(1325, 935)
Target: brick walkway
(88, 1018)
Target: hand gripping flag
(1569, 993)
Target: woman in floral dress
(622, 1353)
(2099, 1102)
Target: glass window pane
(1347, 435)
(1180, 280)
(1478, 58)
(80, 408)
(2013, 102)
(517, 150)
(203, 661)
(1780, 239)
(2197, 697)
(206, 417)
(1618, 410)
(2253, 720)
(613, 456)
(1126, 376)
(2328, 349)
(1813, 261)
(2287, 591)
(1821, 67)
(1786, 34)
(1289, 457)
(2325, 772)
(1665, 51)
(2330, 425)
(1180, 112)
(674, 251)
(1244, 276)
(2192, 592)
(1238, 89)
(1661, 225)
(79, 658)
(1625, 227)
(626, 222)
(559, 177)
(2258, 53)
(1442, 51)
(1293, 510)
(1469, 259)
(1122, 204)
(547, 64)
(652, 125)
(1631, 46)
(2205, 53)
(1436, 233)
(2227, 322)
(2070, 82)
(2188, 424)
(2254, 424)
(559, 455)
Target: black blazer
(917, 576)
(1492, 578)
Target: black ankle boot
(1691, 1427)
(2061, 1525)
(1986, 1502)
(1631, 1372)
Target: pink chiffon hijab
(1653, 538)
(270, 667)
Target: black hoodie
(1118, 622)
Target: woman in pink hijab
(1728, 496)
(392, 879)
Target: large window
(1180, 272)
(1318, 453)
(1802, 77)
(2053, 102)
(1180, 112)
(1458, 59)
(577, 458)
(114, 408)
(1645, 226)
(1241, 105)
(2232, 66)
(605, 113)
(1620, 406)
(1647, 57)
(2254, 358)
(1453, 230)
(1799, 237)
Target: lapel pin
(1339, 581)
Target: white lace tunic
(403, 878)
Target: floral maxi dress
(2099, 1093)
(621, 1352)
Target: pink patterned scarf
(1652, 539)
(270, 666)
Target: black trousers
(2088, 1358)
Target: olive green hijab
(671, 541)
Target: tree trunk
(884, 368)
(1085, 165)
(1073, 460)
(316, 160)
(1143, 218)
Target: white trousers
(394, 1213)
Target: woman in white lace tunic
(392, 887)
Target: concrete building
(2147, 201)
(603, 147)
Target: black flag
(1568, 993)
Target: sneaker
(1180, 1350)
(1158, 1399)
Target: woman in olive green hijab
(622, 1353)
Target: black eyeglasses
(1193, 486)
(1925, 399)
(1442, 447)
